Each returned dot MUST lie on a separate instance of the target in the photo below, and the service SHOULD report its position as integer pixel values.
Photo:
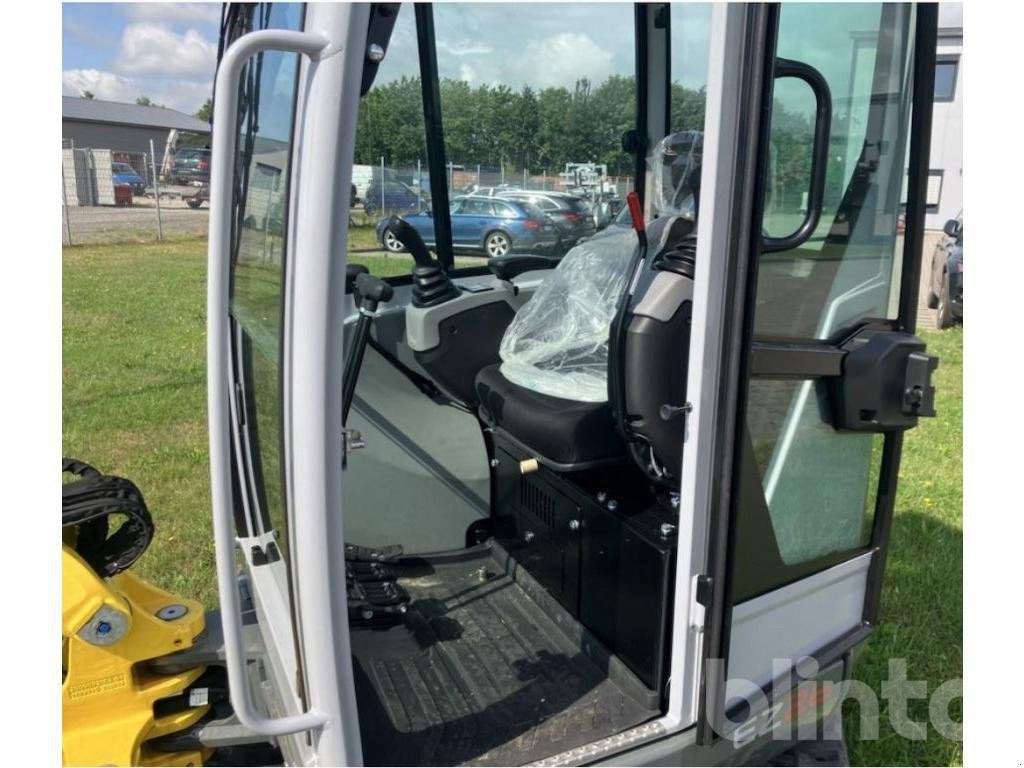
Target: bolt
(574, 525)
(495, 462)
(667, 529)
(528, 536)
(367, 614)
(612, 505)
(103, 628)
(375, 52)
(602, 497)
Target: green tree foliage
(88, 95)
(205, 112)
(495, 125)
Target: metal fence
(110, 196)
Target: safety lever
(372, 291)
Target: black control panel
(608, 558)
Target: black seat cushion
(562, 432)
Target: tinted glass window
(507, 211)
(945, 79)
(262, 171)
(476, 207)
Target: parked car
(497, 191)
(946, 294)
(125, 174)
(398, 198)
(483, 224)
(571, 214)
(190, 165)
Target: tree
(145, 101)
(88, 95)
(205, 112)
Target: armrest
(507, 267)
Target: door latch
(885, 385)
(351, 440)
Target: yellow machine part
(110, 630)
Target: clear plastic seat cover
(557, 344)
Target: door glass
(819, 484)
(690, 32)
(844, 272)
(389, 174)
(794, 441)
(262, 169)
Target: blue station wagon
(483, 224)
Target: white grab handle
(225, 132)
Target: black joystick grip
(372, 291)
(410, 238)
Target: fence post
(451, 177)
(419, 186)
(382, 199)
(64, 191)
(156, 192)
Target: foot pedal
(369, 571)
(357, 554)
(375, 600)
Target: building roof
(117, 113)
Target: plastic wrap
(557, 343)
(673, 169)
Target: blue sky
(167, 51)
(121, 51)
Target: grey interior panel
(796, 620)
(422, 478)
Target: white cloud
(465, 48)
(155, 49)
(467, 73)
(174, 12)
(104, 85)
(564, 58)
(184, 95)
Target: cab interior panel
(425, 462)
(486, 669)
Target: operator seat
(550, 393)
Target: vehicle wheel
(944, 312)
(392, 243)
(497, 244)
(193, 203)
(369, 208)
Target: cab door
(828, 374)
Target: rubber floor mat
(478, 672)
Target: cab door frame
(710, 597)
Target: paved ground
(107, 224)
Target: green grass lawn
(135, 405)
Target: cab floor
(486, 669)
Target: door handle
(225, 114)
(819, 157)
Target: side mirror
(952, 228)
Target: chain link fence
(110, 196)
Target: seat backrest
(557, 344)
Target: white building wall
(947, 123)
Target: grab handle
(819, 158)
(225, 118)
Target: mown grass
(135, 405)
(922, 602)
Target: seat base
(565, 435)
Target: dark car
(125, 174)
(491, 225)
(571, 214)
(191, 165)
(946, 294)
(393, 197)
